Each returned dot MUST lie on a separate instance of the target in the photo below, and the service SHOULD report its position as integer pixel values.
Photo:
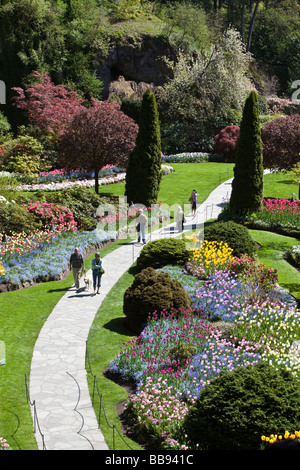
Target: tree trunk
(252, 26)
(97, 181)
(243, 21)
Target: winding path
(58, 382)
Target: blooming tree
(99, 135)
(206, 87)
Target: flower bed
(44, 255)
(179, 353)
(192, 157)
(279, 213)
(65, 184)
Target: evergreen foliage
(144, 165)
(150, 292)
(159, 253)
(237, 407)
(247, 185)
(235, 235)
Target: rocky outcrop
(138, 59)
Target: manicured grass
(273, 247)
(280, 185)
(22, 315)
(176, 187)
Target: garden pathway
(58, 382)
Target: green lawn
(280, 185)
(273, 247)
(22, 315)
(176, 187)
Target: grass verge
(22, 315)
(273, 247)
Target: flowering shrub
(281, 106)
(258, 277)
(3, 444)
(211, 256)
(22, 155)
(50, 214)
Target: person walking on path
(97, 272)
(179, 219)
(76, 265)
(194, 201)
(142, 222)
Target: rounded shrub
(237, 407)
(152, 291)
(235, 235)
(159, 253)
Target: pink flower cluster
(50, 214)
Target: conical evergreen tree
(143, 173)
(247, 185)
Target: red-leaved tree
(225, 142)
(50, 107)
(97, 136)
(281, 143)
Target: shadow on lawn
(118, 326)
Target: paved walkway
(58, 382)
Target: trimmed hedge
(238, 407)
(152, 291)
(159, 253)
(235, 235)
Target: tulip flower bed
(180, 352)
(44, 255)
(280, 212)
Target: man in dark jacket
(76, 264)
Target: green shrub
(22, 155)
(152, 291)
(16, 218)
(159, 253)
(235, 235)
(236, 408)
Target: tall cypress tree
(247, 185)
(143, 173)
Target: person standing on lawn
(76, 265)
